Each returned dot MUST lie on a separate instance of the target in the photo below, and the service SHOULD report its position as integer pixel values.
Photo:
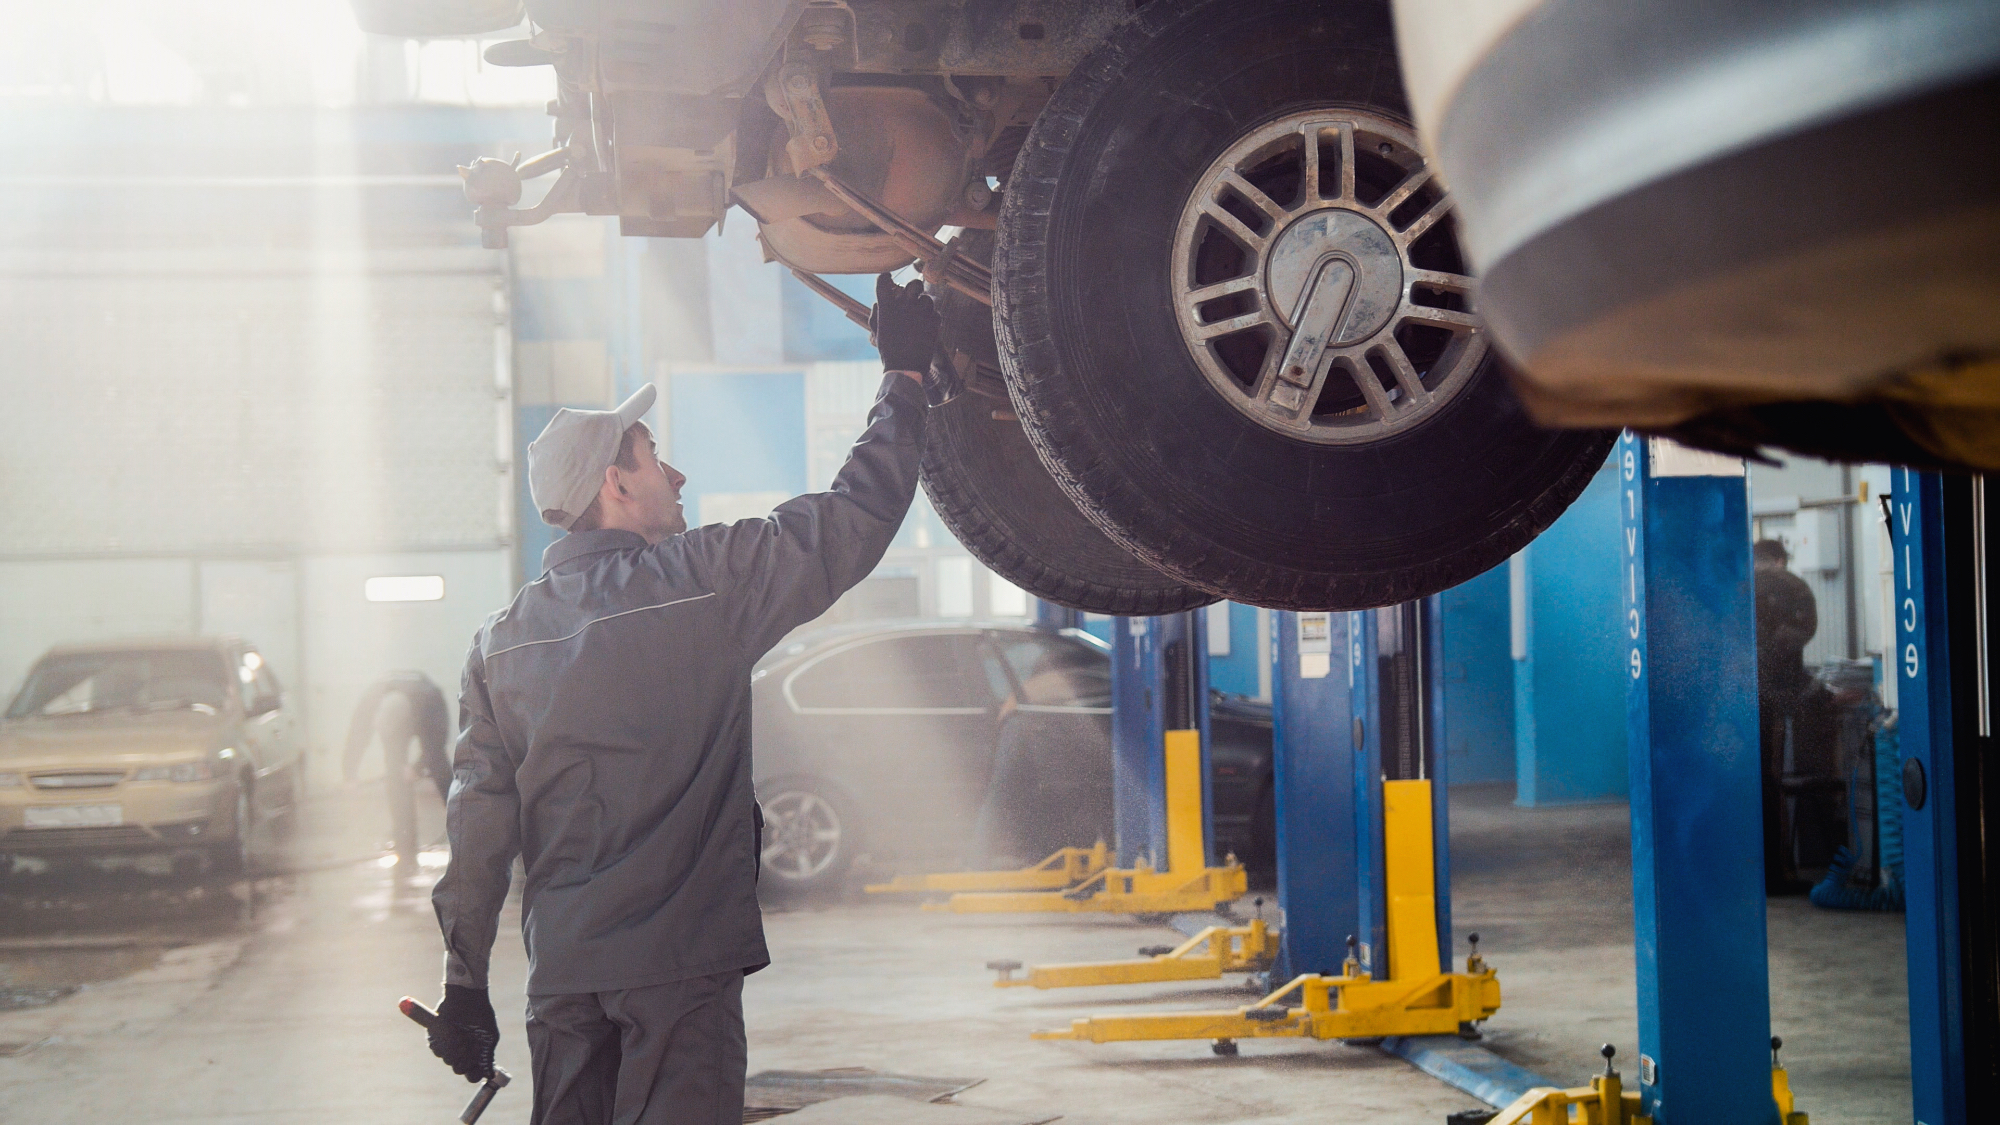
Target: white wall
(258, 601)
(45, 603)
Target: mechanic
(394, 710)
(1787, 618)
(604, 737)
(430, 713)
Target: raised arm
(780, 572)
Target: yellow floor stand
(1187, 884)
(1066, 868)
(1417, 999)
(1205, 956)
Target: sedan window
(79, 683)
(900, 673)
(1056, 673)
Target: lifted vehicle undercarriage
(1209, 332)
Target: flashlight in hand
(494, 1081)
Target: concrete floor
(195, 1010)
(1549, 892)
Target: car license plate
(76, 816)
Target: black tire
(285, 824)
(1111, 396)
(988, 486)
(230, 858)
(783, 870)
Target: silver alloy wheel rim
(1359, 340)
(802, 834)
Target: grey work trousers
(672, 1053)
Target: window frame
(998, 640)
(815, 660)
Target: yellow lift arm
(1187, 884)
(1349, 1006)
(1205, 956)
(1605, 1102)
(1418, 999)
(1066, 868)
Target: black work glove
(466, 1032)
(903, 326)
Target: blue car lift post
(1702, 956)
(1385, 975)
(1941, 529)
(1313, 779)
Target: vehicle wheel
(992, 491)
(286, 823)
(811, 836)
(1239, 328)
(231, 857)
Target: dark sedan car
(881, 739)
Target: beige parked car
(175, 745)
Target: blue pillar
(1159, 681)
(1436, 758)
(1313, 777)
(1930, 829)
(1691, 706)
(1371, 925)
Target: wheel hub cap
(1317, 283)
(801, 834)
(1344, 261)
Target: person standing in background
(1787, 618)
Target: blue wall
(815, 330)
(739, 432)
(1237, 672)
(604, 308)
(1478, 681)
(1569, 689)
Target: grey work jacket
(604, 731)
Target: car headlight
(7, 779)
(179, 771)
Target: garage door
(249, 410)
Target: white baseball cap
(566, 463)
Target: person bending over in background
(394, 710)
(604, 737)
